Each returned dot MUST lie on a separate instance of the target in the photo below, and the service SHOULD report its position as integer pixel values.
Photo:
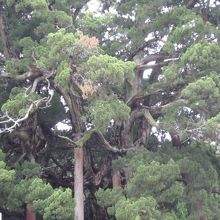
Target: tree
(140, 74)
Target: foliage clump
(102, 111)
(19, 102)
(162, 188)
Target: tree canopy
(110, 109)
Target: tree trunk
(116, 180)
(78, 184)
(30, 215)
(198, 210)
(3, 31)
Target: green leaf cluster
(202, 56)
(23, 186)
(102, 111)
(18, 103)
(109, 71)
(167, 188)
(203, 95)
(63, 76)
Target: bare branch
(16, 122)
(35, 83)
(21, 77)
(145, 67)
(153, 57)
(8, 120)
(150, 119)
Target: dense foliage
(133, 85)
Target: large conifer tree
(116, 106)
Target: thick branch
(22, 77)
(150, 119)
(104, 142)
(141, 96)
(145, 67)
(145, 44)
(153, 57)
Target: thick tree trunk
(30, 215)
(3, 31)
(78, 184)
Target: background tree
(140, 76)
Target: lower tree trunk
(116, 180)
(198, 210)
(30, 215)
(78, 184)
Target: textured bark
(4, 39)
(116, 179)
(74, 105)
(78, 184)
(3, 31)
(198, 209)
(30, 215)
(175, 140)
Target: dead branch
(13, 123)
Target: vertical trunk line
(116, 180)
(8, 53)
(78, 184)
(30, 215)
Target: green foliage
(203, 95)
(38, 190)
(158, 182)
(94, 25)
(49, 21)
(21, 186)
(35, 5)
(172, 77)
(6, 176)
(109, 71)
(57, 37)
(142, 208)
(63, 76)
(55, 49)
(16, 67)
(28, 170)
(179, 15)
(16, 197)
(202, 56)
(59, 205)
(109, 198)
(212, 126)
(102, 111)
(168, 188)
(51, 203)
(19, 102)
